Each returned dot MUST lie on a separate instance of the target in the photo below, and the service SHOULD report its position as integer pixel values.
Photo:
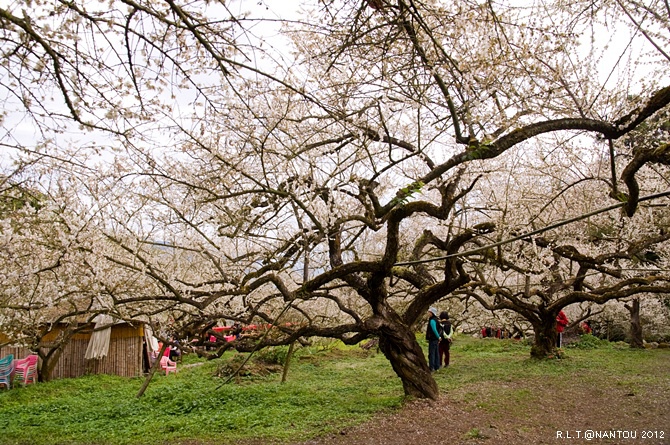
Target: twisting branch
(25, 25)
(534, 232)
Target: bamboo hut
(121, 352)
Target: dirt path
(545, 416)
(575, 409)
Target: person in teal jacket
(433, 338)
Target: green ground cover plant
(329, 388)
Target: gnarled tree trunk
(545, 338)
(399, 345)
(49, 361)
(635, 324)
(50, 353)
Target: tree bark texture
(635, 324)
(546, 338)
(49, 362)
(400, 347)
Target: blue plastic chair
(6, 370)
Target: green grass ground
(328, 388)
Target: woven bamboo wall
(124, 357)
(18, 352)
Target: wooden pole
(152, 371)
(288, 360)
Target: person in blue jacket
(433, 338)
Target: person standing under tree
(433, 338)
(445, 341)
(236, 330)
(561, 323)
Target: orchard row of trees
(343, 166)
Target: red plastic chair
(25, 370)
(6, 370)
(168, 365)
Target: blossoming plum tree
(310, 174)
